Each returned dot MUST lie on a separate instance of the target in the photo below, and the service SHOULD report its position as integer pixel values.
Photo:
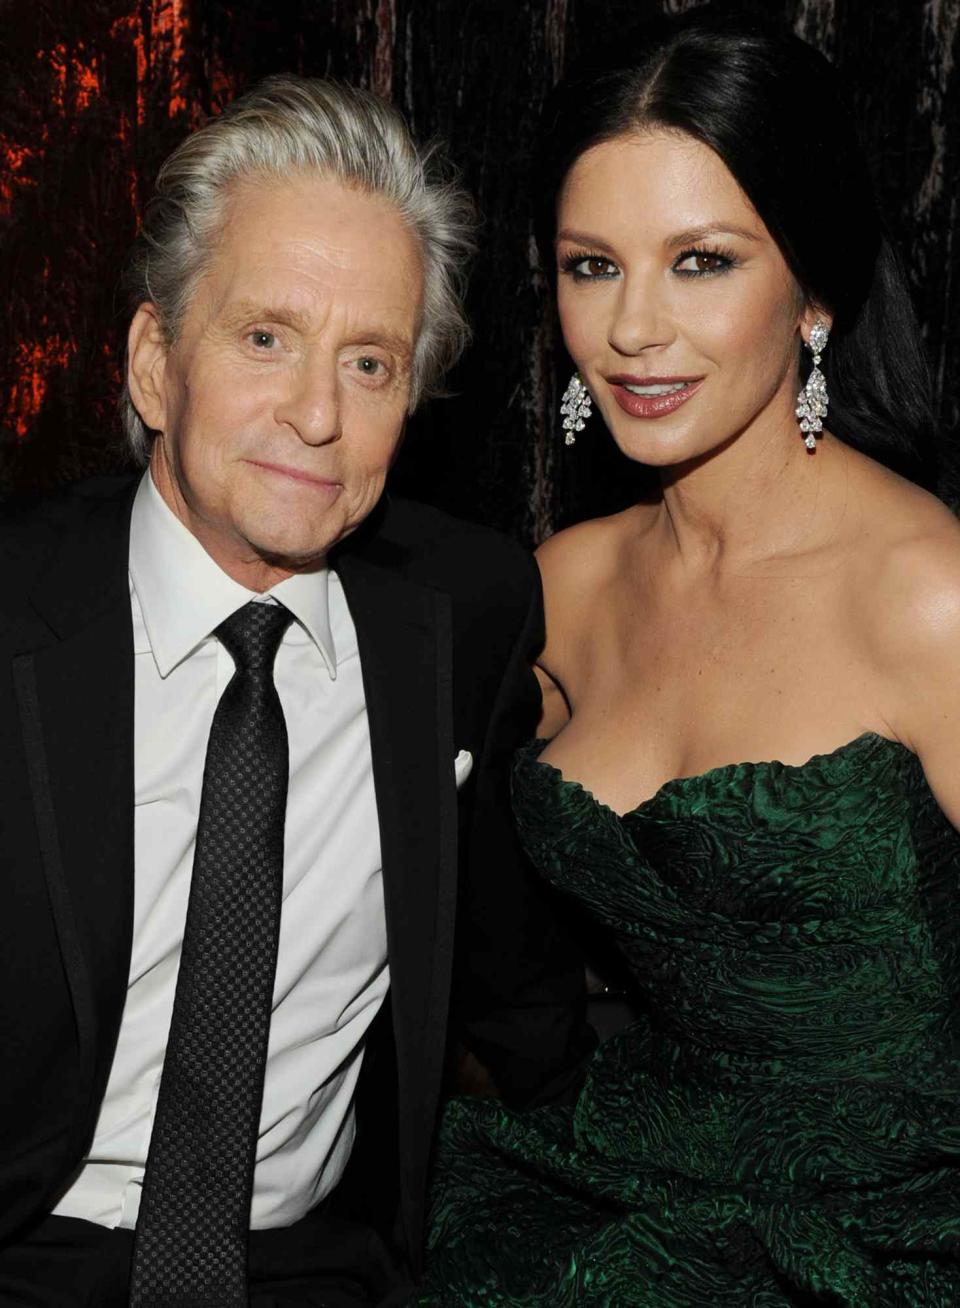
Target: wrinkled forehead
(312, 242)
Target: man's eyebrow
(252, 311)
(389, 340)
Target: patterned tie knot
(252, 635)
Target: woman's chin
(665, 449)
(665, 453)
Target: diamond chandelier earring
(813, 400)
(576, 407)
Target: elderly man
(240, 697)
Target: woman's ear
(146, 365)
(814, 313)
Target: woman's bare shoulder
(908, 610)
(905, 589)
(910, 547)
(579, 566)
(577, 560)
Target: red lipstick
(656, 405)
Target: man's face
(281, 403)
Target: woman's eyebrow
(689, 236)
(579, 238)
(694, 234)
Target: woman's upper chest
(665, 685)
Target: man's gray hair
(283, 126)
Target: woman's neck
(762, 496)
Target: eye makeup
(724, 259)
(572, 264)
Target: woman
(783, 1126)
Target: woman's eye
(590, 268)
(263, 340)
(369, 366)
(702, 263)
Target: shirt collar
(184, 595)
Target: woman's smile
(653, 397)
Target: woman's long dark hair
(770, 106)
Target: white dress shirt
(332, 964)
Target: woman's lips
(653, 406)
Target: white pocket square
(462, 766)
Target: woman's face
(676, 304)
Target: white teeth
(667, 388)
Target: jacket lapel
(74, 684)
(404, 636)
(74, 690)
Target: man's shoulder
(422, 528)
(32, 527)
(464, 558)
(52, 513)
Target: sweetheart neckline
(539, 743)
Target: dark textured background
(94, 93)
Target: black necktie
(191, 1240)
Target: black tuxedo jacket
(447, 618)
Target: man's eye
(263, 340)
(369, 366)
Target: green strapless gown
(784, 1126)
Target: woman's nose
(641, 320)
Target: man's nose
(641, 320)
(311, 403)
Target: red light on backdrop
(80, 83)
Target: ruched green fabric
(783, 1127)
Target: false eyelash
(569, 264)
(727, 255)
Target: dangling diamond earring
(576, 408)
(813, 399)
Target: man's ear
(146, 364)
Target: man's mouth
(296, 474)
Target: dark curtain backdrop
(94, 94)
